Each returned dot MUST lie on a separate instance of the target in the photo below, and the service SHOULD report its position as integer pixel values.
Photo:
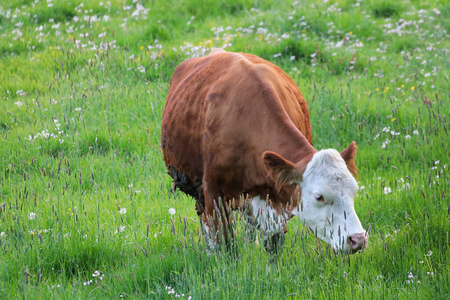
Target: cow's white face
(327, 192)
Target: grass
(83, 187)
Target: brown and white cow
(236, 132)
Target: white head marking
(332, 216)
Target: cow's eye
(318, 197)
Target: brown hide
(223, 111)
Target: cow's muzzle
(357, 241)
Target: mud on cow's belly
(195, 190)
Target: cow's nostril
(357, 242)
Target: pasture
(85, 208)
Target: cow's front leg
(274, 242)
(251, 223)
(272, 225)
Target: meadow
(85, 207)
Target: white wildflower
(436, 12)
(87, 282)
(120, 229)
(96, 273)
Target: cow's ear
(280, 169)
(349, 155)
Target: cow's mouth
(355, 242)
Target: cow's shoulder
(285, 90)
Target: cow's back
(214, 102)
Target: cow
(236, 133)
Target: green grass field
(84, 192)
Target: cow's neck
(292, 144)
